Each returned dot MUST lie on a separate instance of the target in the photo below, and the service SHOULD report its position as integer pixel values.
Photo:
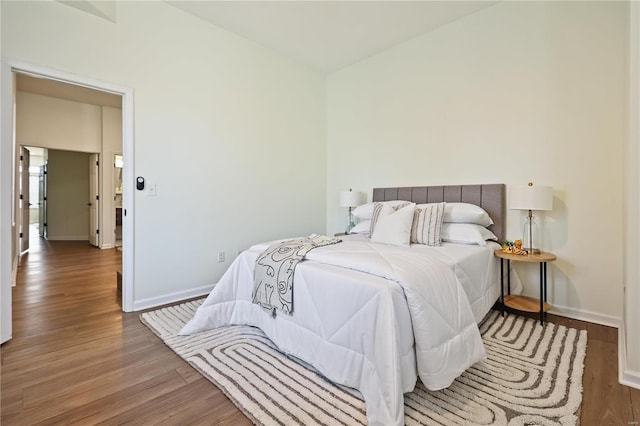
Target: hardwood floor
(604, 400)
(75, 358)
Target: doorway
(35, 163)
(8, 165)
(23, 204)
(75, 190)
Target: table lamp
(530, 198)
(349, 199)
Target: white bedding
(354, 323)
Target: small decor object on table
(525, 303)
(513, 247)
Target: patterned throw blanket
(273, 274)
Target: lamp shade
(349, 198)
(531, 197)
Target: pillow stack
(465, 223)
(403, 223)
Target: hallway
(58, 275)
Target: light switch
(152, 190)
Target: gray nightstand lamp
(531, 198)
(349, 199)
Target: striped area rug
(532, 376)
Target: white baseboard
(630, 378)
(67, 237)
(625, 376)
(106, 246)
(166, 299)
(582, 315)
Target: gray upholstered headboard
(491, 197)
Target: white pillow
(466, 213)
(427, 224)
(392, 225)
(362, 227)
(466, 233)
(365, 211)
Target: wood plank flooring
(76, 359)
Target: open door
(24, 199)
(94, 199)
(8, 253)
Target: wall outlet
(221, 257)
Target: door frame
(23, 203)
(7, 163)
(95, 203)
(42, 201)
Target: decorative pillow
(466, 233)
(427, 224)
(392, 225)
(466, 213)
(361, 227)
(365, 211)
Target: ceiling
(329, 35)
(325, 35)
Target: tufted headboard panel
(491, 197)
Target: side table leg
(545, 280)
(542, 295)
(508, 276)
(544, 265)
(502, 285)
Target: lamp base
(531, 235)
(350, 227)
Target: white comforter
(357, 307)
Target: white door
(93, 200)
(7, 161)
(24, 199)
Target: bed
(376, 317)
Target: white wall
(55, 123)
(517, 92)
(67, 195)
(231, 133)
